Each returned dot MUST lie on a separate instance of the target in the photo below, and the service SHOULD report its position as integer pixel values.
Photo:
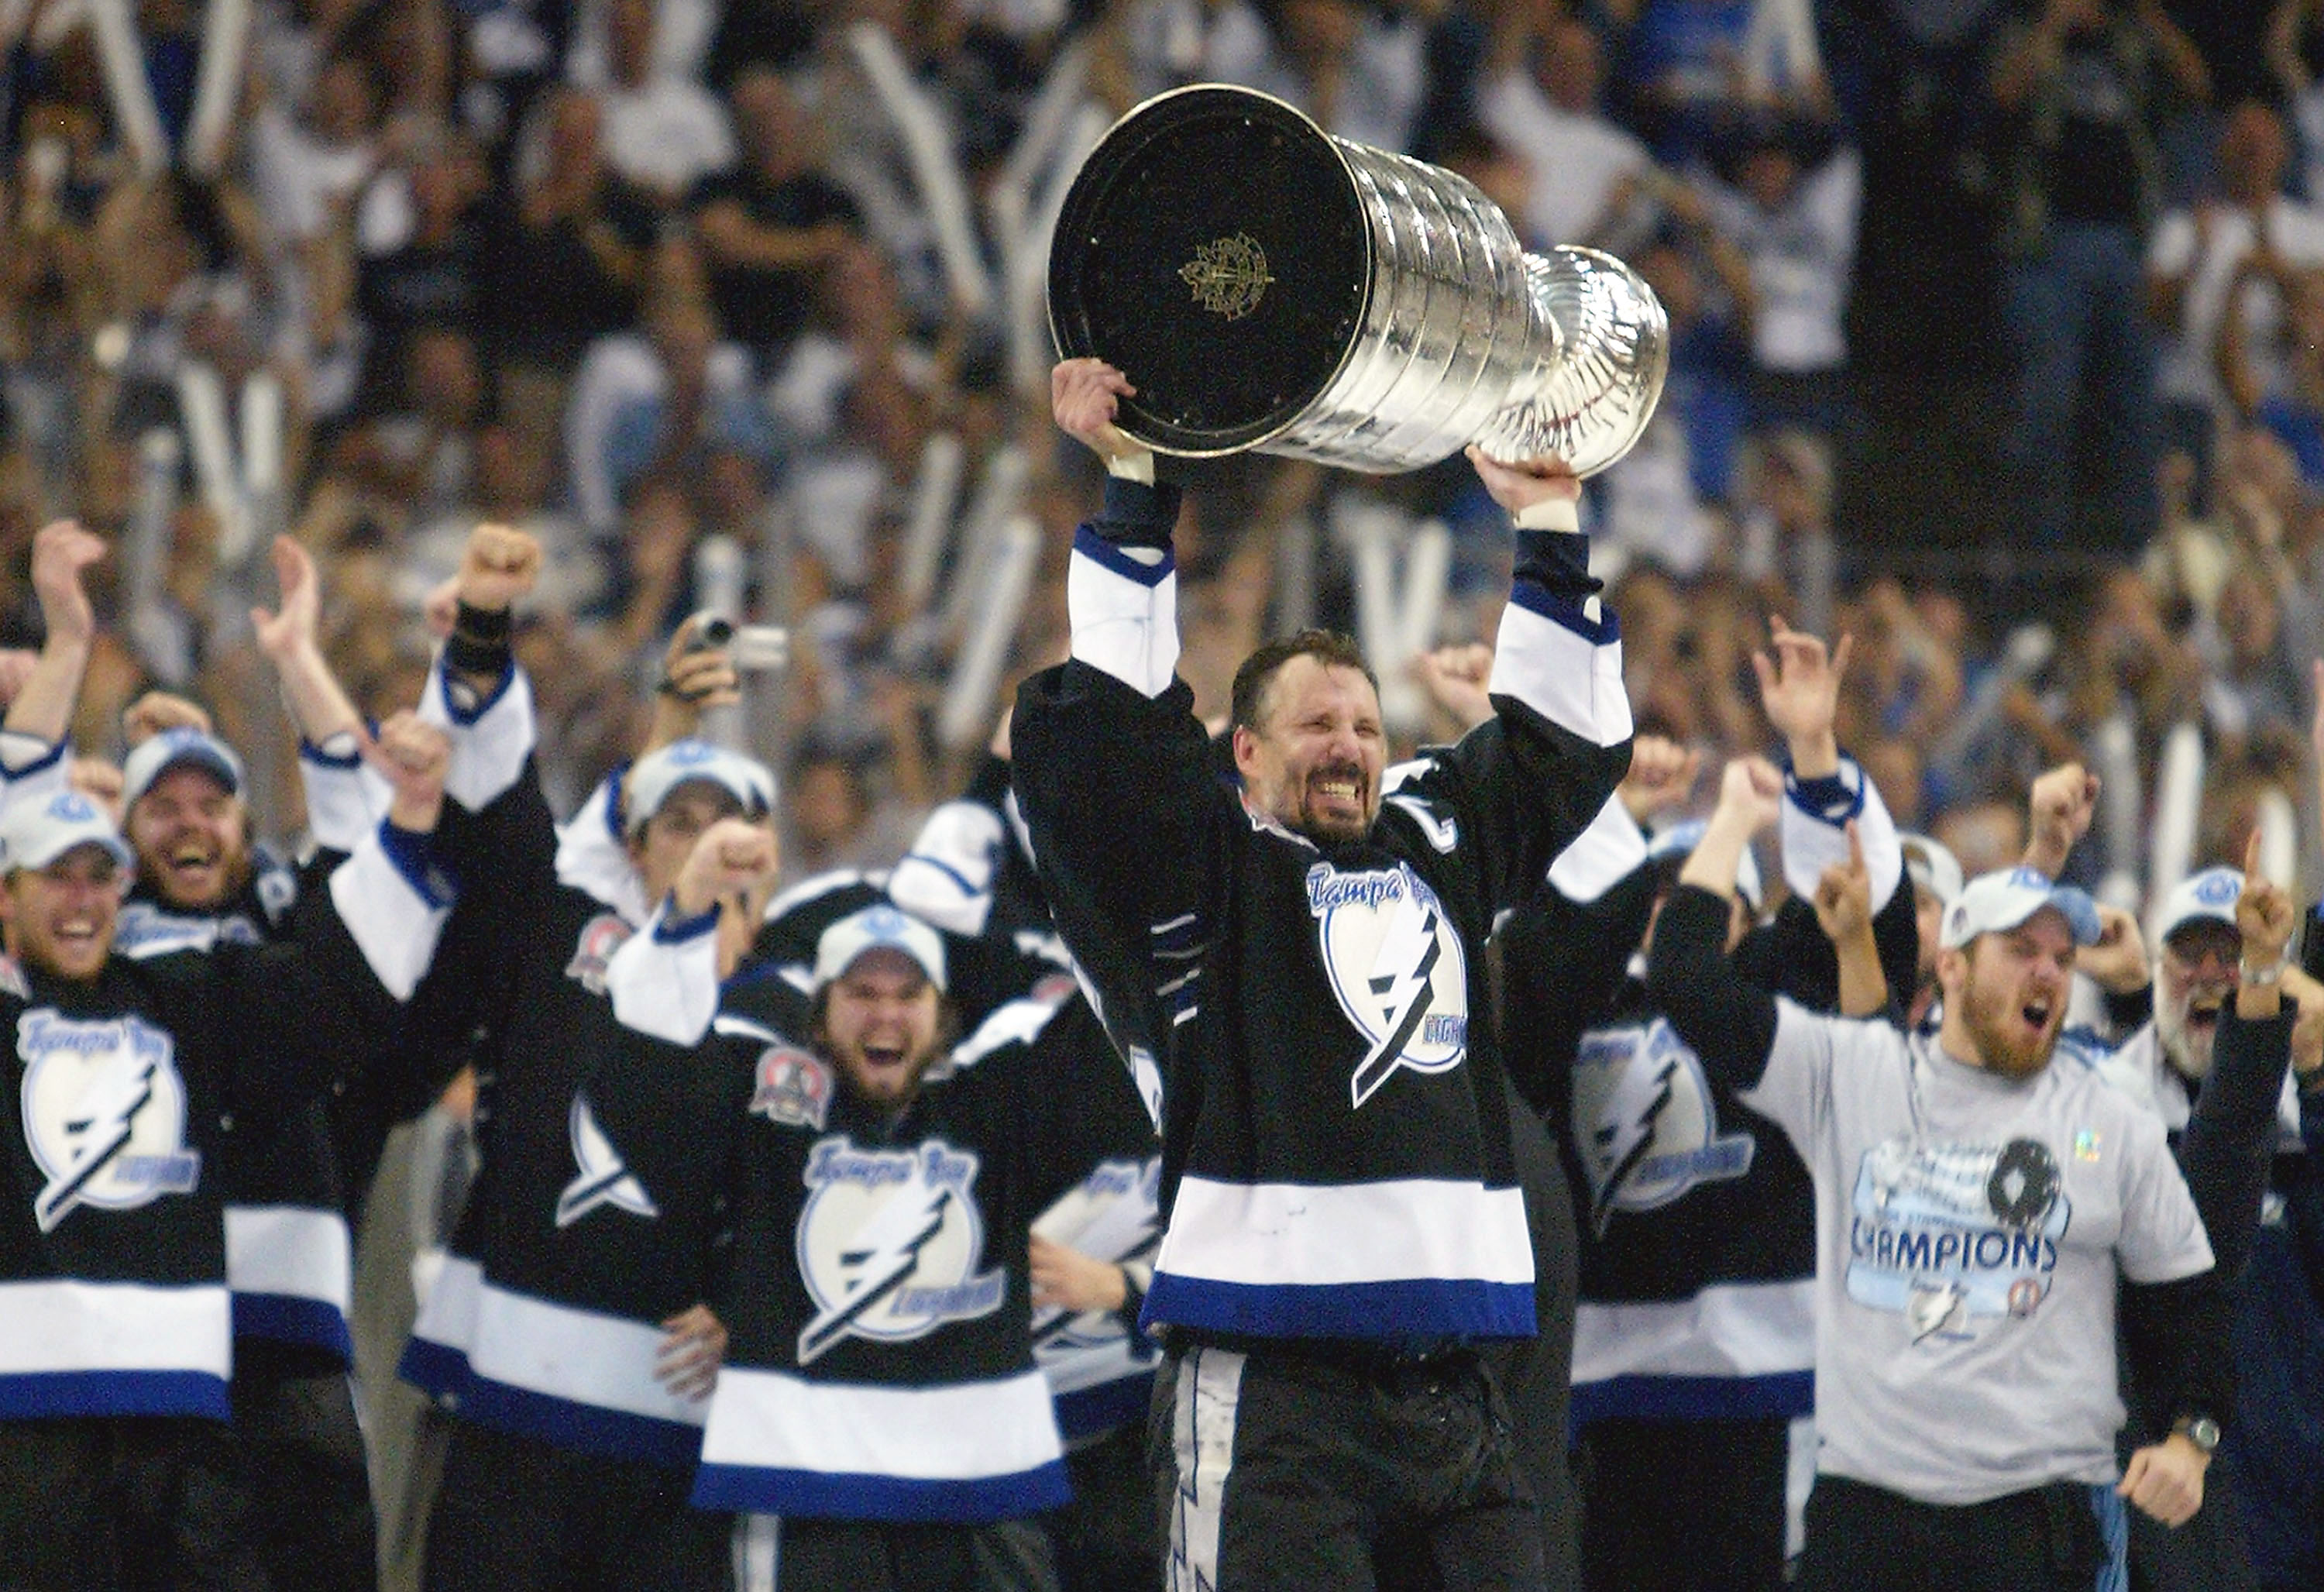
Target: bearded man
(1983, 1220)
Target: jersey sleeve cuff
(393, 898)
(1558, 654)
(1816, 815)
(492, 737)
(663, 981)
(1602, 856)
(343, 798)
(31, 767)
(1124, 603)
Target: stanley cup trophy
(1269, 287)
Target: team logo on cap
(72, 807)
(2216, 887)
(1396, 964)
(889, 1242)
(793, 1088)
(601, 936)
(104, 1114)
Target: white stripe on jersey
(767, 1420)
(448, 1305)
(1304, 1235)
(296, 1250)
(67, 1326)
(1202, 1445)
(579, 1356)
(1728, 1329)
(1126, 625)
(1569, 679)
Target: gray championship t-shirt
(1969, 1227)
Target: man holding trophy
(1296, 972)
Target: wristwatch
(2199, 1429)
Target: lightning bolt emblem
(1408, 955)
(99, 1129)
(882, 1261)
(1624, 1144)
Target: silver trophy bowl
(1268, 287)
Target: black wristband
(468, 656)
(479, 641)
(483, 624)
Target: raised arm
(1843, 909)
(1524, 784)
(475, 690)
(2229, 1144)
(1728, 1021)
(343, 801)
(41, 715)
(2059, 810)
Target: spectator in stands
(643, 404)
(568, 259)
(770, 227)
(2083, 88)
(1663, 501)
(1541, 99)
(1791, 212)
(663, 131)
(424, 268)
(2244, 250)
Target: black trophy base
(1214, 249)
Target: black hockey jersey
(1696, 1218)
(1336, 1142)
(289, 1259)
(113, 1244)
(880, 1363)
(546, 1317)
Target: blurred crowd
(1998, 345)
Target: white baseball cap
(183, 747)
(35, 834)
(655, 775)
(1681, 839)
(1933, 866)
(1997, 902)
(878, 928)
(2209, 895)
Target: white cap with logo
(1997, 902)
(35, 834)
(182, 747)
(659, 772)
(2209, 896)
(878, 928)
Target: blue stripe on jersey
(37, 1395)
(436, 1369)
(1411, 1307)
(821, 1494)
(1088, 1411)
(587, 1428)
(293, 1318)
(1782, 1394)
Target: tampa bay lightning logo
(1645, 1124)
(104, 1114)
(1396, 963)
(889, 1244)
(1110, 1216)
(605, 1177)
